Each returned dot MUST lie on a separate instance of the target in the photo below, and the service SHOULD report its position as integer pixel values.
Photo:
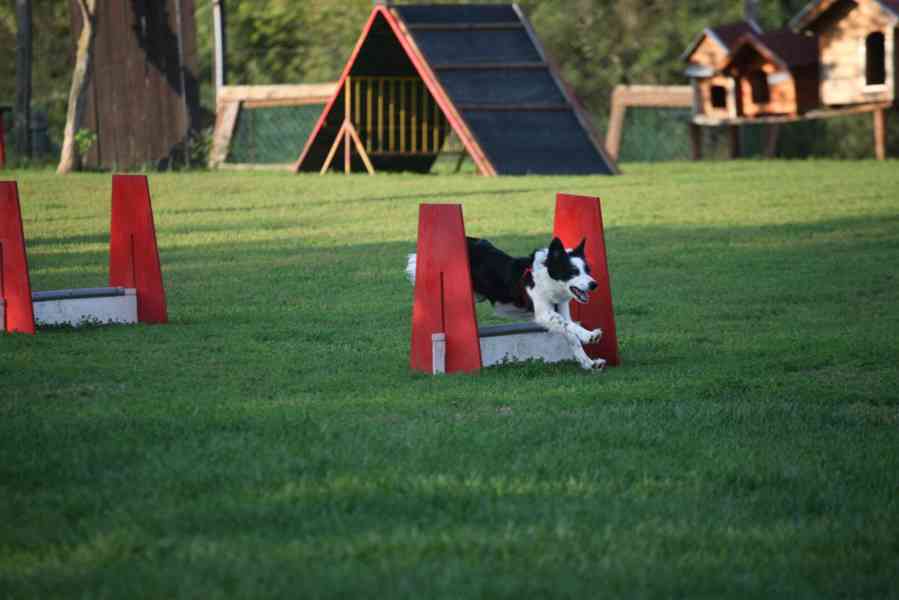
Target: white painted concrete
(508, 343)
(538, 345)
(84, 311)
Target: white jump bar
(83, 306)
(508, 343)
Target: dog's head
(570, 268)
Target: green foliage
(282, 41)
(597, 43)
(271, 442)
(200, 146)
(52, 52)
(84, 139)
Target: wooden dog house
(858, 48)
(775, 73)
(714, 92)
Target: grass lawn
(271, 441)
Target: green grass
(272, 442)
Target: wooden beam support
(226, 119)
(281, 102)
(664, 96)
(772, 133)
(823, 113)
(734, 135)
(649, 96)
(880, 134)
(360, 148)
(332, 152)
(616, 127)
(310, 93)
(696, 141)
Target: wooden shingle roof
(724, 35)
(816, 8)
(783, 47)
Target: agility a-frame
(419, 73)
(445, 333)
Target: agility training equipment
(479, 72)
(445, 334)
(135, 292)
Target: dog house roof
(783, 47)
(815, 9)
(491, 78)
(724, 35)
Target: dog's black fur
(499, 277)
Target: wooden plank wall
(136, 103)
(842, 44)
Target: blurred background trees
(597, 43)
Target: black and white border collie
(539, 286)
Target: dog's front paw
(595, 336)
(593, 365)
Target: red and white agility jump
(445, 334)
(135, 291)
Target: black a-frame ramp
(420, 71)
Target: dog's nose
(593, 285)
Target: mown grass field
(272, 442)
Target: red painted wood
(133, 254)
(443, 297)
(579, 217)
(15, 284)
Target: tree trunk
(23, 79)
(69, 159)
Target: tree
(69, 160)
(23, 78)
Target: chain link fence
(272, 135)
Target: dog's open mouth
(579, 294)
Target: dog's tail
(410, 267)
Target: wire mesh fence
(272, 135)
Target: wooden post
(616, 125)
(221, 43)
(368, 115)
(696, 141)
(381, 114)
(734, 131)
(880, 133)
(772, 132)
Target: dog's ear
(556, 247)
(579, 251)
